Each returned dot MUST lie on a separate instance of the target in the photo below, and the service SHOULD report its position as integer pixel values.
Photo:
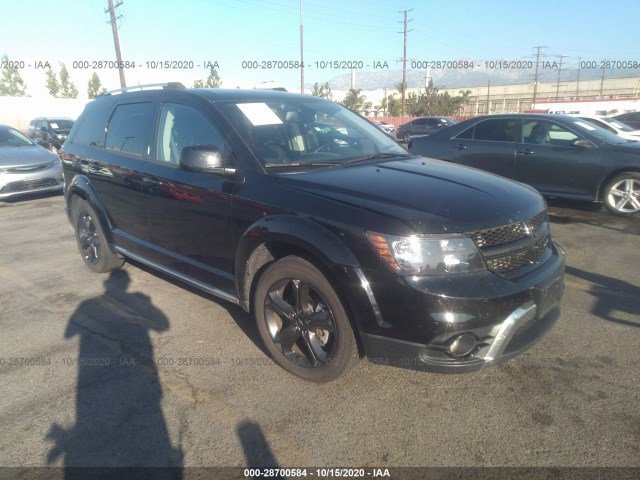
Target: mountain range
(465, 78)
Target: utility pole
(602, 83)
(535, 77)
(488, 96)
(558, 83)
(578, 79)
(116, 40)
(301, 53)
(404, 64)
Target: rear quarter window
(91, 126)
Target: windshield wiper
(300, 164)
(378, 156)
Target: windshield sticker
(586, 126)
(259, 114)
(54, 125)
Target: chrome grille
(509, 247)
(29, 168)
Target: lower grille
(509, 247)
(26, 185)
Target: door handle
(460, 146)
(526, 151)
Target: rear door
(489, 145)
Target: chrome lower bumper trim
(508, 327)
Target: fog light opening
(462, 345)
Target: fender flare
(297, 232)
(81, 186)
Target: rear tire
(302, 321)
(622, 194)
(91, 239)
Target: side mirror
(583, 143)
(205, 159)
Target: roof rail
(151, 86)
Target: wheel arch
(273, 238)
(611, 176)
(81, 188)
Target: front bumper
(48, 180)
(496, 320)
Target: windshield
(618, 125)
(295, 132)
(597, 132)
(10, 137)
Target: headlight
(428, 254)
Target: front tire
(302, 321)
(622, 194)
(92, 241)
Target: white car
(612, 125)
(384, 126)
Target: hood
(27, 155)
(431, 196)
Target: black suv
(338, 241)
(50, 132)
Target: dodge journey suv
(339, 242)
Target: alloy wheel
(300, 323)
(89, 239)
(624, 195)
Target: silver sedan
(26, 167)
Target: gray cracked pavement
(136, 369)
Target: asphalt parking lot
(136, 369)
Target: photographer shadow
(119, 420)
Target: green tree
(356, 101)
(11, 82)
(52, 83)
(63, 88)
(95, 87)
(433, 102)
(212, 81)
(323, 90)
(392, 105)
(67, 87)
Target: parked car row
(50, 132)
(423, 126)
(26, 167)
(30, 164)
(560, 156)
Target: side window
(421, 121)
(130, 129)
(181, 126)
(542, 132)
(497, 130)
(467, 134)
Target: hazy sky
(235, 31)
